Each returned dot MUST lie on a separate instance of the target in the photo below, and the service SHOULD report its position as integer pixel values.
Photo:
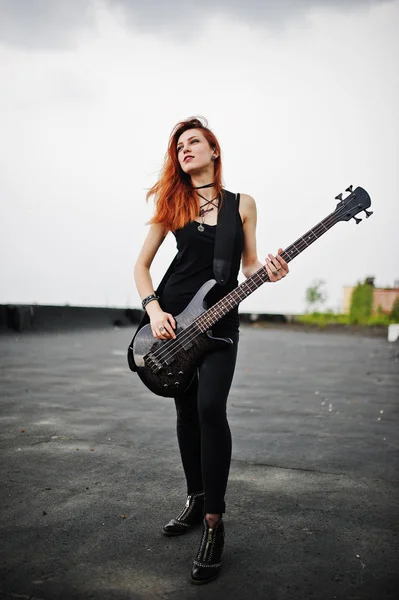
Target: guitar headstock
(357, 201)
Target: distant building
(382, 297)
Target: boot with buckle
(207, 563)
(191, 514)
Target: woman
(188, 195)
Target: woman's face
(194, 152)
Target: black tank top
(194, 266)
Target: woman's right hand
(162, 325)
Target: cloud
(43, 23)
(55, 23)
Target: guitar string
(174, 346)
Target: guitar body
(173, 372)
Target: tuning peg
(368, 213)
(339, 197)
(357, 220)
(349, 189)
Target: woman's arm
(276, 266)
(250, 261)
(145, 287)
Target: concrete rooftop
(91, 471)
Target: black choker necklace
(207, 185)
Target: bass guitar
(167, 367)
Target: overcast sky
(302, 95)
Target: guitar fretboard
(252, 283)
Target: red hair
(176, 203)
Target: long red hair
(176, 203)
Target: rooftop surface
(91, 471)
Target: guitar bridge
(152, 363)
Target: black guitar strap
(224, 241)
(225, 234)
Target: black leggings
(203, 432)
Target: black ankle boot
(192, 514)
(206, 565)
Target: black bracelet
(149, 299)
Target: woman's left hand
(276, 266)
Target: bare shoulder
(157, 231)
(247, 207)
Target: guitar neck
(252, 283)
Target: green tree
(395, 310)
(361, 302)
(315, 294)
